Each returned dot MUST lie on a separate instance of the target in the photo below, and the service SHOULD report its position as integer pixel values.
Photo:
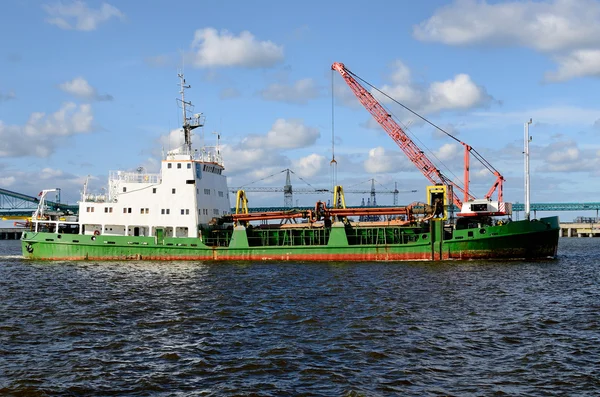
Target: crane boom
(412, 151)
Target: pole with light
(527, 183)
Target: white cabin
(189, 192)
(184, 196)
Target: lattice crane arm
(385, 120)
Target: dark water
(279, 329)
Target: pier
(10, 233)
(579, 229)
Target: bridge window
(189, 165)
(169, 165)
(178, 165)
(207, 191)
(124, 189)
(154, 190)
(173, 190)
(220, 194)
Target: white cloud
(7, 181)
(544, 26)
(240, 159)
(77, 15)
(309, 166)
(285, 134)
(40, 134)
(380, 161)
(50, 173)
(212, 49)
(458, 93)
(31, 182)
(566, 156)
(449, 151)
(565, 29)
(578, 63)
(173, 140)
(79, 87)
(300, 92)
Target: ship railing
(134, 177)
(210, 155)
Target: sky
(89, 86)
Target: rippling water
(277, 329)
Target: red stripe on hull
(291, 257)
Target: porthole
(482, 231)
(424, 237)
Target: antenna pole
(186, 126)
(527, 182)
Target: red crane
(414, 153)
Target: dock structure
(11, 233)
(579, 229)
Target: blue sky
(89, 86)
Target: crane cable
(478, 156)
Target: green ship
(183, 212)
(337, 240)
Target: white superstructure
(189, 192)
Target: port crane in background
(420, 159)
(288, 191)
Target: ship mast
(195, 122)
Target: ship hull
(515, 240)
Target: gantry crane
(417, 156)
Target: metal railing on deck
(134, 177)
